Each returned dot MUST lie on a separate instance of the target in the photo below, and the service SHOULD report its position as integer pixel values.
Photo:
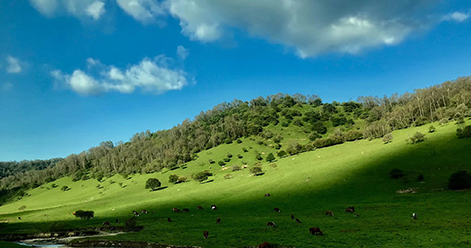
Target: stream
(58, 242)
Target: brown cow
(270, 223)
(292, 216)
(106, 223)
(264, 245)
(329, 213)
(267, 194)
(218, 221)
(199, 207)
(315, 231)
(205, 234)
(186, 210)
(349, 210)
(276, 210)
(169, 220)
(176, 210)
(297, 220)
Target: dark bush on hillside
(181, 179)
(464, 133)
(270, 157)
(396, 173)
(267, 134)
(459, 180)
(420, 121)
(173, 178)
(228, 141)
(420, 177)
(202, 176)
(319, 143)
(338, 121)
(256, 170)
(244, 149)
(353, 135)
(130, 223)
(65, 188)
(239, 156)
(221, 163)
(376, 130)
(284, 124)
(152, 183)
(319, 127)
(277, 139)
(226, 159)
(350, 106)
(431, 129)
(229, 155)
(298, 122)
(387, 138)
(281, 154)
(314, 135)
(258, 157)
(260, 142)
(416, 138)
(311, 116)
(84, 214)
(211, 161)
(294, 148)
(239, 141)
(235, 168)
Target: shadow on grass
(160, 188)
(209, 181)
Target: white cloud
(457, 17)
(13, 65)
(96, 9)
(78, 8)
(308, 27)
(45, 7)
(6, 87)
(144, 11)
(150, 75)
(182, 52)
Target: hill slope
(306, 185)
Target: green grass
(306, 185)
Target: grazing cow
(135, 213)
(329, 213)
(414, 216)
(218, 221)
(117, 221)
(292, 216)
(205, 234)
(19, 217)
(297, 220)
(315, 231)
(276, 210)
(186, 210)
(169, 220)
(213, 207)
(271, 224)
(176, 210)
(350, 210)
(106, 223)
(144, 211)
(199, 207)
(264, 245)
(267, 194)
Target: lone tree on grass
(270, 157)
(153, 183)
(173, 178)
(459, 180)
(84, 214)
(202, 176)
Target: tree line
(148, 152)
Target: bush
(277, 146)
(211, 161)
(22, 208)
(244, 149)
(173, 178)
(298, 122)
(270, 157)
(201, 176)
(319, 127)
(221, 163)
(226, 159)
(182, 179)
(228, 176)
(65, 188)
(239, 156)
(396, 174)
(256, 170)
(273, 165)
(228, 141)
(443, 121)
(431, 129)
(284, 124)
(420, 177)
(258, 156)
(388, 138)
(229, 155)
(459, 180)
(464, 133)
(314, 135)
(235, 168)
(152, 183)
(239, 141)
(84, 214)
(277, 139)
(416, 138)
(130, 223)
(281, 154)
(353, 135)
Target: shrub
(443, 121)
(420, 177)
(431, 129)
(22, 207)
(258, 156)
(239, 156)
(277, 146)
(172, 178)
(130, 223)
(152, 183)
(65, 188)
(277, 138)
(260, 142)
(464, 133)
(256, 170)
(298, 122)
(228, 176)
(459, 180)
(416, 138)
(239, 141)
(228, 141)
(201, 176)
(376, 130)
(221, 163)
(84, 214)
(281, 153)
(182, 179)
(229, 155)
(270, 157)
(353, 135)
(211, 161)
(294, 148)
(284, 124)
(396, 174)
(235, 168)
(319, 127)
(314, 135)
(54, 185)
(226, 159)
(388, 138)
(273, 165)
(244, 149)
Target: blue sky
(74, 73)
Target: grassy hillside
(306, 185)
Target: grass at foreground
(10, 245)
(306, 185)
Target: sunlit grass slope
(306, 185)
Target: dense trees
(148, 152)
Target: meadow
(304, 185)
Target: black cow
(218, 221)
(271, 224)
(276, 210)
(213, 207)
(205, 234)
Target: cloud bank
(79, 8)
(155, 76)
(13, 65)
